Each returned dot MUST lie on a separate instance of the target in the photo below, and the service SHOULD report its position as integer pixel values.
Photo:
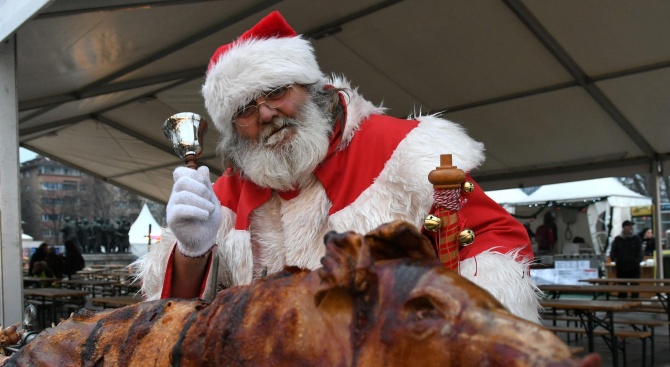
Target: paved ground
(633, 347)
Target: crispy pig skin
(379, 300)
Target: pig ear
(347, 263)
(397, 240)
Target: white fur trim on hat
(253, 66)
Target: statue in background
(124, 238)
(110, 234)
(99, 237)
(84, 236)
(69, 230)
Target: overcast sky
(26, 155)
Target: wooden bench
(649, 308)
(576, 350)
(622, 335)
(644, 325)
(636, 324)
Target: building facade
(53, 194)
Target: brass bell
(468, 186)
(466, 237)
(432, 223)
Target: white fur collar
(358, 108)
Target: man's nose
(266, 113)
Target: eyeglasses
(273, 98)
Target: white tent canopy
(585, 191)
(507, 196)
(139, 232)
(592, 209)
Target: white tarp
(598, 196)
(587, 190)
(139, 232)
(507, 197)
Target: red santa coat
(376, 172)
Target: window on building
(51, 201)
(70, 185)
(48, 233)
(70, 200)
(82, 187)
(60, 171)
(51, 186)
(49, 217)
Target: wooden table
(87, 273)
(661, 291)
(41, 282)
(86, 283)
(642, 281)
(118, 275)
(54, 294)
(115, 302)
(127, 288)
(605, 289)
(108, 266)
(589, 309)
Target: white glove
(193, 211)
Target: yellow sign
(641, 211)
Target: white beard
(284, 165)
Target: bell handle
(191, 161)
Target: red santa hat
(268, 55)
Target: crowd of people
(45, 262)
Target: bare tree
(643, 184)
(53, 207)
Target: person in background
(627, 252)
(545, 234)
(304, 155)
(55, 262)
(648, 241)
(40, 254)
(74, 261)
(41, 270)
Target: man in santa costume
(306, 155)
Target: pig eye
(421, 308)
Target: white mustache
(277, 124)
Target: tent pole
(657, 166)
(11, 284)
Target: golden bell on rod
(432, 223)
(466, 237)
(467, 186)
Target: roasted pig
(382, 299)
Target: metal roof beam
(528, 19)
(76, 119)
(68, 8)
(557, 170)
(56, 100)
